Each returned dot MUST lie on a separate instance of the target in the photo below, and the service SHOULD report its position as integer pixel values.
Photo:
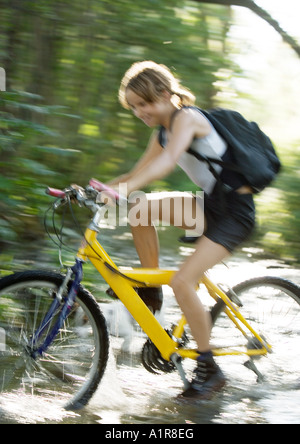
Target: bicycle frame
(122, 281)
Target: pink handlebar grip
(55, 193)
(99, 186)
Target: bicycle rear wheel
(70, 370)
(271, 305)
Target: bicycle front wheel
(271, 305)
(72, 367)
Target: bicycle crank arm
(251, 366)
(177, 361)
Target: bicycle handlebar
(94, 184)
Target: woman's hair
(149, 80)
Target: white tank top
(213, 145)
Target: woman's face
(150, 113)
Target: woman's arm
(187, 125)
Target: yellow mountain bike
(55, 342)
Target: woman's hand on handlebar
(108, 195)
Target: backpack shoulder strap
(162, 138)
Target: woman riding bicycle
(156, 97)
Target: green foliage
(25, 168)
(60, 120)
(75, 55)
(278, 209)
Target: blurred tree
(262, 13)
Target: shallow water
(128, 394)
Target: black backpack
(253, 152)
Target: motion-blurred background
(61, 123)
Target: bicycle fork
(58, 304)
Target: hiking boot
(151, 296)
(208, 379)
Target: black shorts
(230, 218)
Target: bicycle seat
(189, 239)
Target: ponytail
(149, 80)
(186, 98)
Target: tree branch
(250, 4)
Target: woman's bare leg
(184, 283)
(208, 377)
(207, 254)
(147, 245)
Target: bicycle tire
(72, 368)
(271, 305)
(289, 286)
